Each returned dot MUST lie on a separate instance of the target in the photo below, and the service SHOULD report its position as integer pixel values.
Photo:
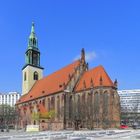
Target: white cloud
(77, 57)
(89, 56)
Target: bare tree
(8, 116)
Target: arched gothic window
(49, 105)
(105, 103)
(58, 106)
(52, 103)
(96, 107)
(35, 75)
(78, 112)
(89, 104)
(83, 106)
(62, 105)
(70, 107)
(83, 99)
(96, 103)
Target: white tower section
(32, 71)
(30, 75)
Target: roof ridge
(96, 67)
(59, 69)
(94, 73)
(94, 78)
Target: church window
(96, 105)
(43, 102)
(58, 106)
(89, 104)
(105, 108)
(105, 103)
(52, 103)
(70, 107)
(35, 75)
(25, 76)
(83, 106)
(62, 98)
(78, 107)
(83, 99)
(43, 121)
(49, 104)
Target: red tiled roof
(51, 84)
(95, 74)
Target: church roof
(56, 81)
(51, 84)
(94, 76)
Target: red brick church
(74, 97)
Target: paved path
(72, 135)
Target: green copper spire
(32, 55)
(33, 43)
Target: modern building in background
(9, 98)
(130, 105)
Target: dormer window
(60, 86)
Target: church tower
(32, 71)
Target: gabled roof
(51, 84)
(95, 74)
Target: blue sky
(108, 30)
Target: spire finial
(82, 53)
(32, 29)
(32, 43)
(83, 56)
(116, 83)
